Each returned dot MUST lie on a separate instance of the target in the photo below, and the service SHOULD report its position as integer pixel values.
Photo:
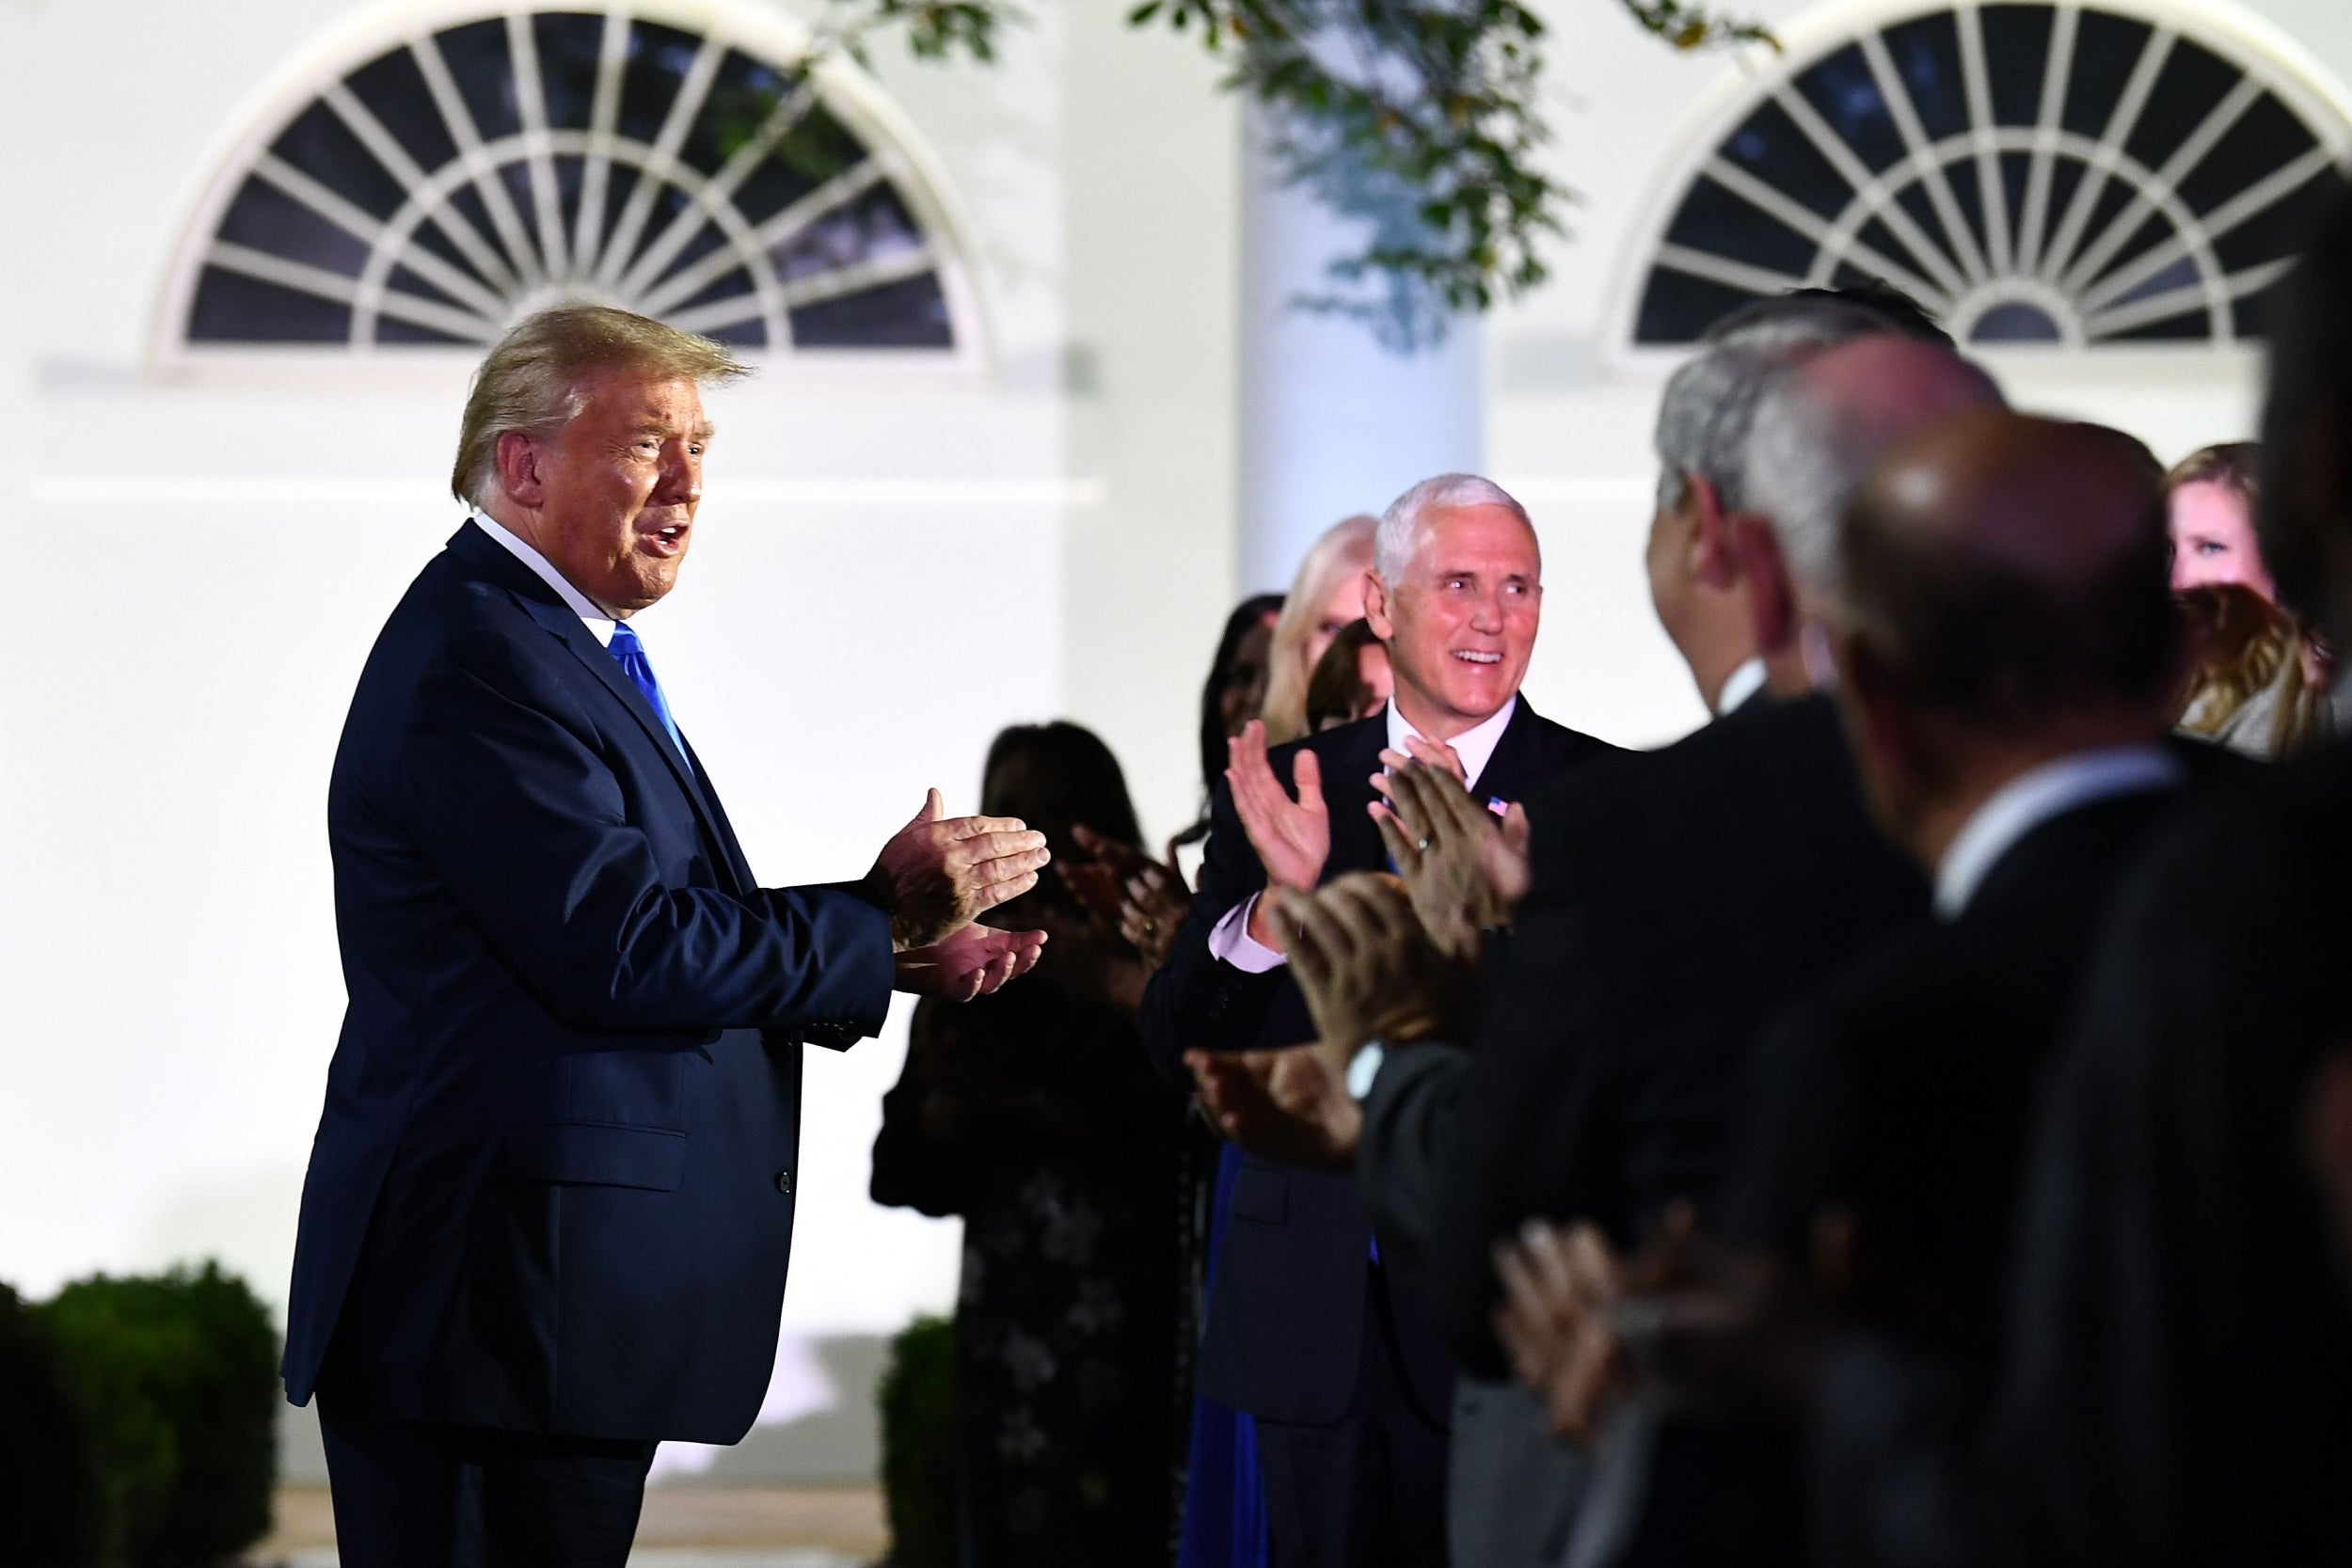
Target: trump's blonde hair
(529, 383)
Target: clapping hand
(1581, 1327)
(1558, 1286)
(970, 962)
(1293, 837)
(1290, 1105)
(1366, 967)
(938, 872)
(1465, 869)
(1127, 891)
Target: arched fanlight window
(434, 183)
(2068, 175)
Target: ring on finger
(1421, 844)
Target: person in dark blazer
(2179, 1390)
(1677, 899)
(1306, 1329)
(1515, 1487)
(550, 1205)
(2009, 656)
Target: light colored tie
(629, 652)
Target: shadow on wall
(817, 1427)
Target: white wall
(887, 573)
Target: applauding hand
(1293, 837)
(1290, 1105)
(1128, 893)
(970, 962)
(1367, 969)
(1558, 1287)
(1465, 870)
(938, 872)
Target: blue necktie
(629, 652)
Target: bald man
(2180, 1392)
(2008, 654)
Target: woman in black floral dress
(1034, 1114)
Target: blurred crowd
(1907, 1121)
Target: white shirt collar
(1475, 746)
(599, 625)
(1741, 684)
(2033, 797)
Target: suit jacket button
(784, 1183)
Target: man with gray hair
(1675, 899)
(1309, 1327)
(550, 1206)
(1513, 1491)
(1697, 583)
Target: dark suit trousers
(418, 1495)
(1368, 1491)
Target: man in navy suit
(550, 1205)
(1310, 1329)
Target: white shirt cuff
(1364, 1069)
(1231, 941)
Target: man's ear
(519, 470)
(1711, 559)
(1377, 607)
(1772, 598)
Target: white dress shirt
(1741, 684)
(599, 625)
(2033, 797)
(1230, 940)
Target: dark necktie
(629, 652)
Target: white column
(1333, 422)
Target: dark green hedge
(166, 1387)
(918, 1445)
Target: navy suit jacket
(1283, 1339)
(551, 1189)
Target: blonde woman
(1326, 595)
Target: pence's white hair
(1400, 524)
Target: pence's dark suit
(551, 1191)
(1299, 1312)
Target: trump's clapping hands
(969, 962)
(938, 873)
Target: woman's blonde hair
(1343, 551)
(530, 384)
(2235, 466)
(2247, 647)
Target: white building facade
(1029, 417)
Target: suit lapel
(1354, 840)
(539, 601)
(727, 841)
(1516, 758)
